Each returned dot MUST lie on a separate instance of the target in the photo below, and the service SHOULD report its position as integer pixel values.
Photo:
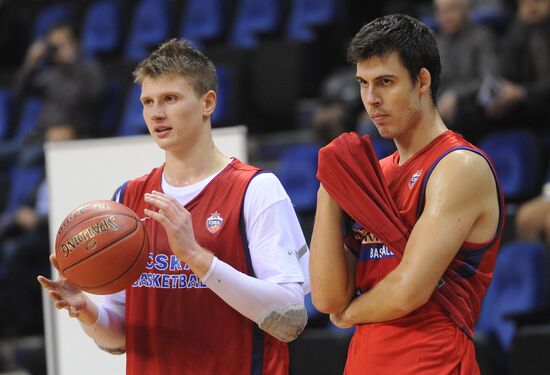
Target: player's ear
(424, 81)
(209, 102)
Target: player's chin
(163, 144)
(385, 133)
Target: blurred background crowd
(65, 74)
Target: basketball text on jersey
(371, 246)
(178, 278)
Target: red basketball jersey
(429, 340)
(174, 324)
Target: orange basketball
(101, 247)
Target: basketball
(101, 247)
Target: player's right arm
(331, 266)
(104, 324)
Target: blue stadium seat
(49, 16)
(28, 117)
(254, 17)
(101, 28)
(517, 287)
(149, 26)
(5, 113)
(23, 183)
(132, 122)
(305, 14)
(110, 109)
(203, 20)
(297, 172)
(516, 158)
(224, 91)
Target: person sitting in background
(69, 88)
(24, 249)
(467, 54)
(330, 120)
(533, 217)
(524, 91)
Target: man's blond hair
(178, 57)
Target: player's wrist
(89, 313)
(199, 260)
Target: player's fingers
(157, 201)
(165, 197)
(169, 205)
(55, 296)
(160, 217)
(53, 261)
(335, 320)
(44, 282)
(73, 312)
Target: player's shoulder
(265, 186)
(467, 166)
(266, 181)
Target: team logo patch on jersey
(214, 222)
(414, 178)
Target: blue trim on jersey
(472, 257)
(118, 195)
(257, 334)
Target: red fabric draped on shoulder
(350, 172)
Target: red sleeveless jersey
(174, 324)
(429, 340)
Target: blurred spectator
(522, 96)
(468, 52)
(533, 217)
(341, 86)
(69, 87)
(330, 120)
(24, 249)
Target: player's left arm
(461, 204)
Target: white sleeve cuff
(206, 276)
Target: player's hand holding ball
(101, 247)
(64, 294)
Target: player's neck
(420, 135)
(196, 164)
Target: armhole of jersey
(422, 199)
(118, 195)
(243, 230)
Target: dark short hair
(178, 57)
(413, 41)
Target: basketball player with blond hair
(224, 287)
